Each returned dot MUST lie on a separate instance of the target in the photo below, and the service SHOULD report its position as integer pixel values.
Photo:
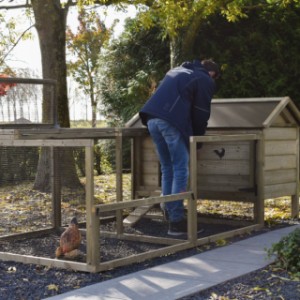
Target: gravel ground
(33, 282)
(268, 283)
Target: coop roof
(247, 113)
(253, 112)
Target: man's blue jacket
(183, 98)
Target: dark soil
(269, 283)
(27, 282)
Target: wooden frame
(256, 197)
(65, 137)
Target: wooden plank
(230, 196)
(8, 132)
(295, 206)
(148, 143)
(7, 137)
(223, 167)
(280, 133)
(142, 238)
(142, 202)
(230, 151)
(259, 205)
(276, 112)
(149, 155)
(278, 162)
(136, 215)
(47, 143)
(119, 180)
(151, 180)
(28, 235)
(280, 121)
(295, 198)
(280, 176)
(80, 133)
(193, 167)
(221, 180)
(247, 100)
(225, 138)
(92, 221)
(143, 256)
(280, 190)
(227, 188)
(289, 119)
(147, 193)
(58, 263)
(55, 173)
(136, 166)
(280, 147)
(151, 167)
(228, 234)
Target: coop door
(226, 169)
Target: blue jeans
(174, 160)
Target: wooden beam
(119, 179)
(92, 220)
(225, 138)
(141, 202)
(47, 143)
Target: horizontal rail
(47, 143)
(141, 202)
(225, 138)
(81, 133)
(27, 80)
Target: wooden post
(259, 205)
(119, 179)
(92, 221)
(56, 187)
(136, 158)
(192, 202)
(193, 167)
(295, 198)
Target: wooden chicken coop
(250, 153)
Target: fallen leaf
(52, 287)
(12, 270)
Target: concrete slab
(186, 276)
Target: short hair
(212, 66)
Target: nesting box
(250, 152)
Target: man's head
(211, 67)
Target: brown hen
(69, 240)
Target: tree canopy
(84, 47)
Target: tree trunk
(182, 46)
(50, 20)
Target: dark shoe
(177, 228)
(180, 228)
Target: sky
(27, 53)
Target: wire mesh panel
(27, 101)
(23, 208)
(34, 181)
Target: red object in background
(5, 87)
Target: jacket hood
(195, 64)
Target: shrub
(287, 251)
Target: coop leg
(259, 211)
(295, 206)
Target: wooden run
(248, 158)
(85, 138)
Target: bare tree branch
(15, 44)
(25, 5)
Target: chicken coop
(250, 153)
(48, 173)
